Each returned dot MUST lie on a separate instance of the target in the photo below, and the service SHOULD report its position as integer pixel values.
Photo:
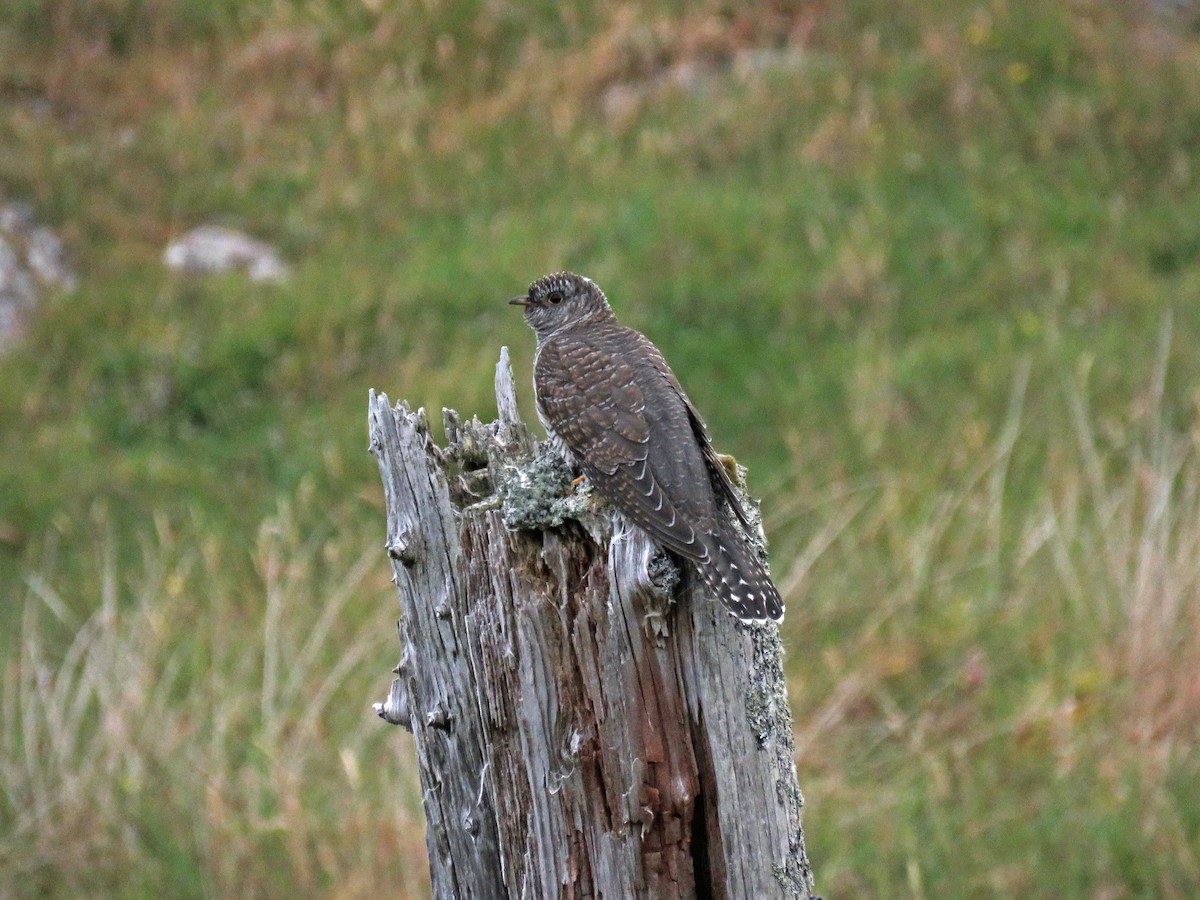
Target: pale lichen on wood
(587, 721)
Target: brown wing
(717, 472)
(631, 433)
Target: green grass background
(931, 270)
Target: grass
(1006, 702)
(932, 271)
(179, 745)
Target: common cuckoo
(615, 410)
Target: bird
(615, 411)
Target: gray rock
(211, 248)
(16, 217)
(32, 256)
(620, 101)
(46, 257)
(18, 294)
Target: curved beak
(523, 300)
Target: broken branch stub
(588, 721)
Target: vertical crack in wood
(587, 721)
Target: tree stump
(588, 722)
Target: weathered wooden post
(588, 723)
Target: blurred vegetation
(931, 269)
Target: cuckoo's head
(561, 300)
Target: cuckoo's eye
(555, 297)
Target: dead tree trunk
(588, 721)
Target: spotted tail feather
(739, 580)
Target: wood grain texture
(588, 721)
